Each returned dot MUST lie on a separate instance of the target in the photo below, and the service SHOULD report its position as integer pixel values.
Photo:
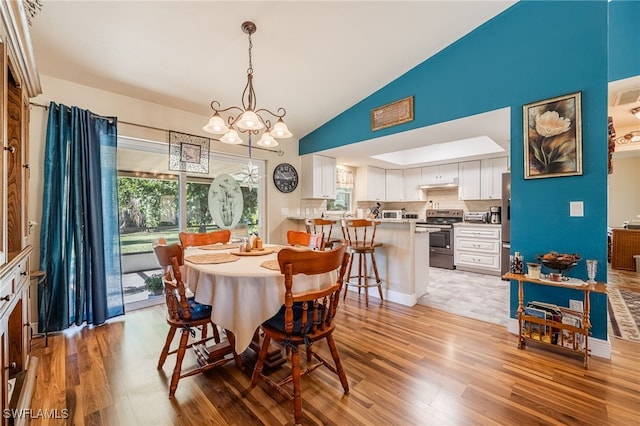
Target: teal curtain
(79, 239)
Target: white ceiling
(314, 58)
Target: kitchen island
(403, 259)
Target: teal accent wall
(532, 51)
(624, 39)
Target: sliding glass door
(155, 202)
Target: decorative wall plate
(225, 201)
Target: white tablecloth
(242, 293)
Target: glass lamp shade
(216, 125)
(231, 138)
(280, 130)
(249, 120)
(267, 140)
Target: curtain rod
(276, 151)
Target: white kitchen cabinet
(477, 248)
(394, 185)
(370, 184)
(412, 181)
(491, 171)
(469, 180)
(318, 177)
(439, 174)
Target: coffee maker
(494, 214)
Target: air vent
(628, 97)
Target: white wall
(624, 191)
(141, 112)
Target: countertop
(338, 219)
(490, 225)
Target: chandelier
(248, 119)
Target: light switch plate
(576, 208)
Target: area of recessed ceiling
(453, 150)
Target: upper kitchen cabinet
(412, 182)
(442, 174)
(491, 171)
(469, 183)
(319, 177)
(482, 179)
(394, 185)
(370, 184)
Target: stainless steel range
(439, 224)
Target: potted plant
(154, 284)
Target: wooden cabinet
(477, 248)
(564, 328)
(469, 180)
(319, 177)
(394, 185)
(412, 181)
(370, 184)
(443, 173)
(625, 243)
(20, 82)
(482, 179)
(491, 171)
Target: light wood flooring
(406, 366)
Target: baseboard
(598, 347)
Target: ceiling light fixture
(636, 112)
(248, 119)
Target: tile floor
(478, 296)
(133, 285)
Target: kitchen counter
(463, 224)
(402, 259)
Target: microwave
(392, 214)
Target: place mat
(271, 264)
(254, 252)
(218, 246)
(211, 258)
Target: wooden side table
(41, 279)
(586, 289)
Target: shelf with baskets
(569, 332)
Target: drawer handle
(6, 298)
(11, 366)
(11, 149)
(23, 273)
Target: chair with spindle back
(305, 239)
(322, 226)
(183, 313)
(359, 235)
(305, 318)
(192, 239)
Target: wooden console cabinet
(19, 82)
(583, 329)
(625, 243)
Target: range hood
(440, 183)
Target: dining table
(244, 288)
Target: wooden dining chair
(192, 239)
(183, 313)
(305, 239)
(305, 318)
(325, 227)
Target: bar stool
(359, 235)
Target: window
(344, 191)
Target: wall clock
(285, 177)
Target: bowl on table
(559, 262)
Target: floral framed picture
(553, 137)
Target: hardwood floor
(406, 366)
